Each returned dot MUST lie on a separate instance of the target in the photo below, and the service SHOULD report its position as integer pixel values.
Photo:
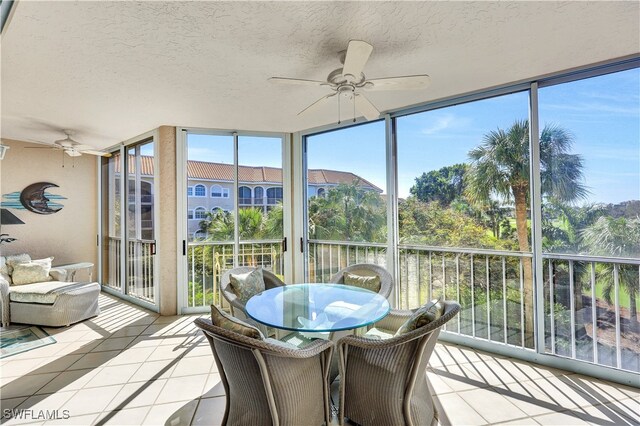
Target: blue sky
(602, 114)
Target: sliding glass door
(129, 243)
(234, 210)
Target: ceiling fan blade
(408, 82)
(367, 109)
(297, 81)
(317, 104)
(40, 147)
(356, 57)
(94, 152)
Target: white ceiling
(113, 70)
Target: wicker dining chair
(268, 383)
(238, 307)
(384, 382)
(367, 270)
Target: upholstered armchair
(268, 382)
(383, 380)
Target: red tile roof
(249, 174)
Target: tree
(433, 225)
(444, 185)
(500, 167)
(219, 225)
(348, 212)
(616, 237)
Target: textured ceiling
(113, 70)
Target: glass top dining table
(317, 307)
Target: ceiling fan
(350, 82)
(71, 147)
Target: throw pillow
(422, 316)
(35, 271)
(3, 265)
(16, 258)
(224, 320)
(247, 285)
(371, 282)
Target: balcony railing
(139, 273)
(490, 287)
(208, 261)
(595, 304)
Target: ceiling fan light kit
(349, 82)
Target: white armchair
(54, 302)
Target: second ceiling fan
(350, 82)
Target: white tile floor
(131, 367)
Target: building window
(216, 191)
(189, 214)
(320, 192)
(244, 195)
(190, 191)
(258, 193)
(200, 213)
(200, 191)
(225, 192)
(274, 195)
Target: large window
(590, 169)
(463, 183)
(348, 224)
(223, 237)
(129, 222)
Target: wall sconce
(3, 151)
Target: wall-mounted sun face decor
(35, 199)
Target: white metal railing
(590, 310)
(209, 260)
(490, 287)
(140, 268)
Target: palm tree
(348, 212)
(500, 167)
(608, 236)
(219, 225)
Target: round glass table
(317, 307)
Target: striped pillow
(422, 316)
(224, 320)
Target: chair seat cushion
(423, 316)
(379, 334)
(247, 285)
(297, 339)
(368, 282)
(44, 293)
